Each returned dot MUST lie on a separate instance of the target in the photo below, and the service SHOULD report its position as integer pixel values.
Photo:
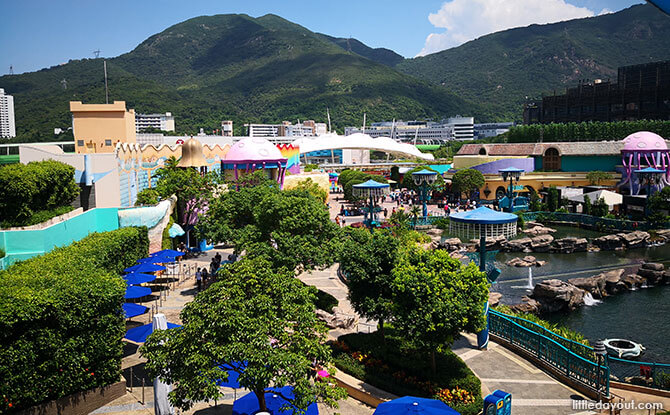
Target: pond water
(641, 316)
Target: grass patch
(396, 367)
(39, 217)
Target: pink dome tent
(640, 150)
(254, 153)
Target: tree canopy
(256, 315)
(408, 181)
(348, 178)
(467, 181)
(596, 177)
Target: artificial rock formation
(569, 245)
(538, 230)
(618, 241)
(527, 261)
(556, 295)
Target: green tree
(467, 181)
(596, 177)
(368, 260)
(659, 207)
(552, 199)
(147, 196)
(600, 208)
(408, 180)
(256, 315)
(312, 188)
(436, 297)
(535, 202)
(588, 207)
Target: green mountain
(214, 68)
(379, 55)
(503, 68)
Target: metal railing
(650, 374)
(589, 220)
(427, 220)
(552, 350)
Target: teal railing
(427, 220)
(589, 220)
(650, 374)
(573, 360)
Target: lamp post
(513, 174)
(600, 351)
(424, 179)
(651, 177)
(370, 189)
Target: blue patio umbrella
(140, 334)
(248, 404)
(158, 259)
(168, 253)
(144, 268)
(136, 278)
(233, 370)
(414, 405)
(131, 310)
(134, 291)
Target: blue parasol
(133, 310)
(134, 291)
(248, 404)
(136, 278)
(158, 259)
(168, 253)
(414, 405)
(144, 268)
(233, 370)
(140, 334)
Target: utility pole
(106, 90)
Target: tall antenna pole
(364, 115)
(328, 113)
(106, 90)
(11, 69)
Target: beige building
(98, 127)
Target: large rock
(653, 277)
(595, 285)
(569, 245)
(609, 242)
(538, 230)
(434, 232)
(451, 244)
(664, 233)
(635, 239)
(494, 299)
(541, 243)
(613, 282)
(528, 305)
(518, 245)
(492, 243)
(527, 261)
(655, 266)
(633, 281)
(556, 295)
(336, 320)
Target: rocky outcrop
(595, 285)
(527, 305)
(538, 230)
(494, 299)
(451, 244)
(618, 241)
(613, 282)
(492, 243)
(556, 295)
(336, 320)
(518, 245)
(664, 234)
(541, 243)
(633, 281)
(653, 273)
(527, 261)
(569, 245)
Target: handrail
(581, 218)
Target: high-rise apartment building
(163, 122)
(464, 127)
(227, 128)
(7, 125)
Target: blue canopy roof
(425, 172)
(137, 278)
(511, 170)
(649, 170)
(133, 310)
(156, 259)
(168, 253)
(134, 291)
(144, 268)
(140, 334)
(483, 215)
(248, 404)
(414, 405)
(371, 184)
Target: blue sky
(37, 34)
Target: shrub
(147, 196)
(166, 241)
(38, 217)
(61, 322)
(325, 301)
(39, 185)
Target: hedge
(585, 131)
(61, 322)
(38, 185)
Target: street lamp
(600, 351)
(513, 174)
(370, 189)
(651, 177)
(424, 179)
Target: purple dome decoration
(641, 150)
(254, 153)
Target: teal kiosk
(498, 403)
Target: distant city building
(98, 127)
(492, 129)
(640, 92)
(163, 122)
(227, 128)
(285, 132)
(464, 127)
(423, 132)
(7, 124)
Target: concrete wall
(95, 123)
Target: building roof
(581, 148)
(358, 141)
(611, 198)
(253, 149)
(483, 215)
(644, 141)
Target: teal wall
(584, 163)
(21, 245)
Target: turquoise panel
(21, 245)
(590, 163)
(538, 163)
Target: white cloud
(465, 20)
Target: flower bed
(396, 367)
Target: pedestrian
(386, 212)
(337, 220)
(205, 276)
(198, 279)
(213, 266)
(344, 222)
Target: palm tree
(415, 212)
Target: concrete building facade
(7, 122)
(163, 122)
(464, 127)
(97, 128)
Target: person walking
(198, 279)
(386, 212)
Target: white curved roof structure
(358, 141)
